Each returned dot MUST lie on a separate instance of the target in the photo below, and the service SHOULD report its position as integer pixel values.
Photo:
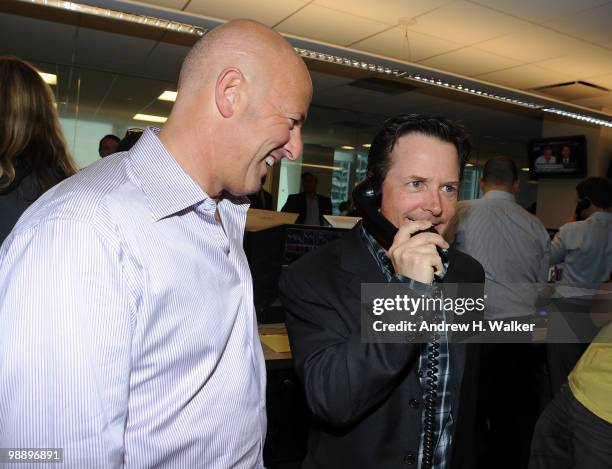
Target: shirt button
(420, 373)
(413, 403)
(410, 458)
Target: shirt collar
(500, 195)
(602, 216)
(165, 184)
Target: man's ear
(227, 91)
(515, 185)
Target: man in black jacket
(308, 204)
(368, 398)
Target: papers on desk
(338, 221)
(277, 342)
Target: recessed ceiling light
(525, 169)
(149, 118)
(168, 96)
(366, 145)
(347, 147)
(469, 165)
(48, 78)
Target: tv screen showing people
(557, 157)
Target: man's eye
(449, 188)
(292, 123)
(415, 184)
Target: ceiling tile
(392, 11)
(604, 103)
(103, 50)
(165, 61)
(470, 61)
(525, 77)
(541, 10)
(268, 12)
(29, 38)
(605, 81)
(324, 81)
(592, 25)
(589, 61)
(393, 43)
(327, 25)
(466, 23)
(531, 44)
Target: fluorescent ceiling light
(168, 96)
(347, 147)
(319, 166)
(525, 169)
(366, 145)
(122, 16)
(48, 78)
(149, 118)
(469, 165)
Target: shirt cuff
(419, 288)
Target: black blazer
(367, 398)
(256, 201)
(296, 203)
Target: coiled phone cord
(431, 395)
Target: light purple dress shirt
(128, 334)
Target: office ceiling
(521, 44)
(111, 69)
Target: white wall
(83, 138)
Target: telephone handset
(367, 201)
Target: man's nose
(293, 148)
(434, 203)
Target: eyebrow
(424, 179)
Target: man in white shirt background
(585, 249)
(514, 248)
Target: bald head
(243, 96)
(256, 50)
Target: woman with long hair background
(33, 153)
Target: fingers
(407, 231)
(415, 255)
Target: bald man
(128, 334)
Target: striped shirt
(513, 247)
(443, 421)
(128, 334)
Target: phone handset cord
(431, 396)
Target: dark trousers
(508, 404)
(569, 436)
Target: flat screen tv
(558, 157)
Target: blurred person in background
(33, 152)
(130, 139)
(108, 145)
(585, 248)
(310, 205)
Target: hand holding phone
(419, 252)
